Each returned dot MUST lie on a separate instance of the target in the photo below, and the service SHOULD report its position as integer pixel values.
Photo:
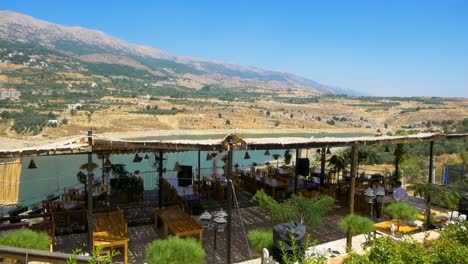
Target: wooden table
(178, 222)
(273, 184)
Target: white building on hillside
(9, 93)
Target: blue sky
(396, 48)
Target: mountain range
(92, 52)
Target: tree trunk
(349, 239)
(428, 212)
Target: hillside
(83, 50)
(122, 87)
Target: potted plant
(287, 157)
(175, 250)
(126, 187)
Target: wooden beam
(354, 160)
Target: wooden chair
(111, 231)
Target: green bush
(357, 224)
(451, 247)
(261, 239)
(175, 250)
(26, 239)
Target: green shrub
(175, 250)
(356, 224)
(402, 211)
(261, 239)
(26, 239)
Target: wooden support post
(354, 160)
(229, 200)
(398, 154)
(89, 191)
(322, 167)
(199, 173)
(431, 162)
(295, 171)
(160, 179)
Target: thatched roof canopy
(117, 146)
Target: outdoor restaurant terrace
(115, 212)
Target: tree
(175, 250)
(402, 211)
(338, 163)
(356, 225)
(89, 114)
(298, 208)
(432, 192)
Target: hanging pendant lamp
(267, 152)
(177, 167)
(137, 158)
(387, 149)
(107, 163)
(32, 164)
(276, 156)
(146, 156)
(208, 156)
(328, 151)
(247, 156)
(318, 151)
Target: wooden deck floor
(252, 218)
(142, 231)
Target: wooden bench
(178, 222)
(111, 231)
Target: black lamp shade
(137, 158)
(387, 149)
(107, 163)
(208, 156)
(32, 164)
(146, 156)
(177, 167)
(328, 151)
(267, 152)
(318, 151)
(247, 156)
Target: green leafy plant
(175, 250)
(297, 254)
(26, 239)
(298, 208)
(402, 211)
(261, 239)
(355, 225)
(96, 257)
